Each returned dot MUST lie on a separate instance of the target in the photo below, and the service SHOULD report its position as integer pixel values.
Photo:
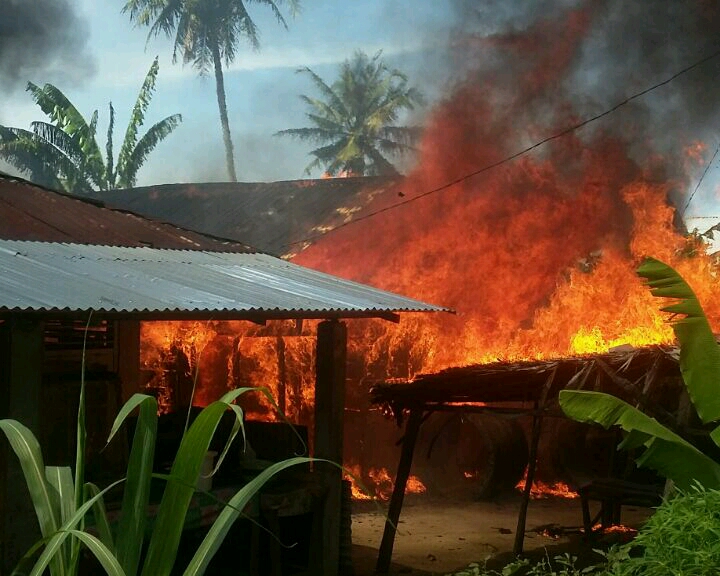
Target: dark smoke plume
(42, 41)
(554, 62)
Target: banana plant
(664, 450)
(64, 153)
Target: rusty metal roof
(30, 212)
(154, 283)
(267, 215)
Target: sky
(262, 86)
(92, 52)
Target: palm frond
(156, 134)
(334, 101)
(110, 175)
(308, 134)
(358, 109)
(137, 116)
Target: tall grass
(61, 498)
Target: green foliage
(354, 118)
(560, 565)
(665, 451)
(682, 537)
(64, 153)
(61, 502)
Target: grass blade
(100, 514)
(60, 536)
(60, 478)
(230, 513)
(136, 496)
(27, 450)
(176, 498)
(99, 550)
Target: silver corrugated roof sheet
(43, 276)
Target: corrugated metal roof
(30, 212)
(39, 276)
(267, 215)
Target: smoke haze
(42, 41)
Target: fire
(380, 482)
(215, 357)
(542, 489)
(537, 255)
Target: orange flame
(380, 482)
(542, 489)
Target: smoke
(42, 41)
(544, 65)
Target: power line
(522, 152)
(702, 177)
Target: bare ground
(438, 536)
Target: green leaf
(180, 487)
(100, 514)
(27, 450)
(98, 549)
(57, 539)
(665, 452)
(230, 513)
(136, 496)
(699, 351)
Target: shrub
(682, 537)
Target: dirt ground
(438, 536)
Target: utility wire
(522, 152)
(702, 177)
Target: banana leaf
(699, 351)
(665, 451)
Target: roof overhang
(54, 279)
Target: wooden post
(330, 363)
(530, 478)
(396, 501)
(532, 463)
(128, 357)
(21, 361)
(282, 375)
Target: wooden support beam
(21, 361)
(532, 464)
(396, 501)
(331, 353)
(530, 478)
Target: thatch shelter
(647, 377)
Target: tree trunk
(220, 90)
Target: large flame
(537, 255)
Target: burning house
(543, 178)
(69, 263)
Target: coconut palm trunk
(222, 105)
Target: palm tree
(207, 33)
(354, 121)
(64, 153)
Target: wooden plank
(396, 501)
(331, 353)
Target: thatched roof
(630, 373)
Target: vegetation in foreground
(62, 498)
